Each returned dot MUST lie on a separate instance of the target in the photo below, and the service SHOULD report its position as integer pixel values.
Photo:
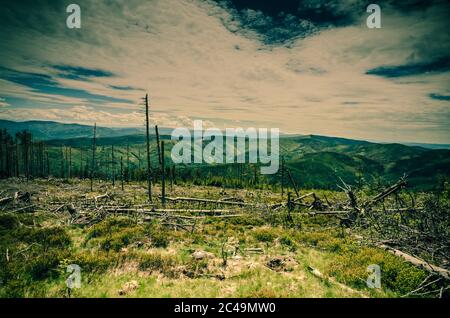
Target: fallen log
(208, 201)
(305, 196)
(417, 262)
(327, 212)
(6, 200)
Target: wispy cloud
(308, 68)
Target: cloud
(440, 97)
(80, 73)
(439, 65)
(254, 66)
(3, 103)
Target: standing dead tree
(158, 145)
(294, 185)
(113, 167)
(163, 176)
(93, 156)
(147, 137)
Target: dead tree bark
(149, 176)
(293, 182)
(282, 177)
(48, 164)
(93, 155)
(128, 161)
(158, 145)
(163, 177)
(69, 168)
(113, 168)
(121, 172)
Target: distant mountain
(318, 161)
(315, 161)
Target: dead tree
(48, 164)
(121, 172)
(93, 155)
(25, 140)
(147, 135)
(113, 168)
(128, 161)
(158, 145)
(282, 177)
(293, 182)
(163, 177)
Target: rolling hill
(315, 161)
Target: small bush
(396, 275)
(157, 262)
(264, 234)
(91, 263)
(109, 226)
(123, 238)
(45, 265)
(8, 222)
(54, 237)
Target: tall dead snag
(128, 161)
(17, 169)
(81, 172)
(282, 177)
(147, 135)
(113, 168)
(62, 163)
(48, 164)
(157, 144)
(69, 164)
(121, 172)
(163, 176)
(93, 156)
(169, 173)
(25, 140)
(293, 182)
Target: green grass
(119, 249)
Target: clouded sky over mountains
(302, 66)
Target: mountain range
(315, 161)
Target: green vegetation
(162, 261)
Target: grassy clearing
(119, 250)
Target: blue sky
(301, 66)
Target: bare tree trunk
(81, 173)
(163, 177)
(293, 182)
(17, 159)
(282, 177)
(113, 167)
(69, 168)
(157, 144)
(171, 178)
(149, 176)
(128, 162)
(48, 164)
(93, 156)
(121, 171)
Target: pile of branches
(419, 233)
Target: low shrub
(265, 234)
(396, 275)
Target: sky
(305, 67)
